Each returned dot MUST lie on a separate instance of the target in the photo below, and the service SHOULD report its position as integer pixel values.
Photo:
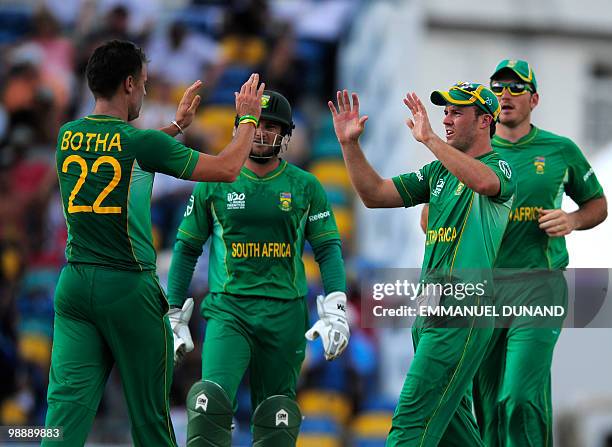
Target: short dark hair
(110, 64)
(480, 112)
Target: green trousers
(435, 404)
(512, 389)
(105, 317)
(263, 335)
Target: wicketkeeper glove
(332, 325)
(179, 321)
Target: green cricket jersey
(464, 229)
(259, 226)
(547, 165)
(105, 168)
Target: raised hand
(248, 100)
(419, 124)
(189, 105)
(347, 122)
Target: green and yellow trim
(452, 379)
(467, 215)
(217, 223)
(281, 169)
(104, 120)
(127, 215)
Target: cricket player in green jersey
(470, 189)
(109, 307)
(256, 310)
(512, 390)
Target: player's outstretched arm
(375, 192)
(226, 166)
(473, 173)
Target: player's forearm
(329, 257)
(171, 130)
(366, 181)
(590, 213)
(184, 259)
(226, 166)
(473, 173)
(234, 155)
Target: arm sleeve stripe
(187, 164)
(323, 234)
(406, 189)
(191, 235)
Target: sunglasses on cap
(515, 88)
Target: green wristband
(249, 117)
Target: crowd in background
(44, 48)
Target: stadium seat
(320, 425)
(313, 275)
(12, 413)
(217, 123)
(321, 403)
(35, 348)
(325, 144)
(331, 171)
(306, 440)
(375, 424)
(318, 432)
(337, 195)
(365, 442)
(344, 220)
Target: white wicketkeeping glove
(179, 321)
(332, 325)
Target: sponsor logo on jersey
(236, 201)
(189, 209)
(525, 214)
(202, 402)
(442, 234)
(505, 168)
(438, 189)
(322, 215)
(419, 175)
(586, 176)
(261, 250)
(282, 417)
(540, 164)
(285, 201)
(460, 188)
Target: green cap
(275, 107)
(520, 68)
(468, 94)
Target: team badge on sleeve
(285, 201)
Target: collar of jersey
(484, 155)
(269, 176)
(523, 140)
(103, 118)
